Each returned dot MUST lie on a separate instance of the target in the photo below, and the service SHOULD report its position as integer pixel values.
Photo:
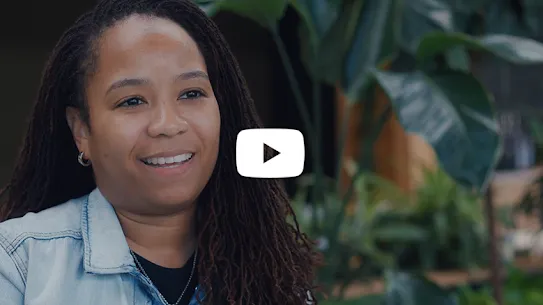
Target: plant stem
(365, 157)
(368, 145)
(293, 82)
(496, 274)
(346, 116)
(317, 139)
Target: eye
(192, 94)
(131, 102)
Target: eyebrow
(192, 74)
(132, 82)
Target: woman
(126, 191)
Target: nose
(166, 120)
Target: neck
(168, 241)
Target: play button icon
(270, 153)
(274, 153)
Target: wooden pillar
(352, 143)
(391, 150)
(399, 156)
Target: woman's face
(154, 119)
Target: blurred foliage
(377, 215)
(536, 132)
(454, 220)
(419, 53)
(532, 201)
(520, 288)
(440, 228)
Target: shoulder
(63, 220)
(36, 235)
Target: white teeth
(168, 160)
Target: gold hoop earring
(82, 161)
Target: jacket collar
(105, 246)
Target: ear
(80, 130)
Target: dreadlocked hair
(250, 254)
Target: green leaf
(373, 43)
(421, 17)
(322, 37)
(454, 114)
(374, 299)
(264, 12)
(208, 6)
(399, 233)
(536, 130)
(410, 289)
(510, 48)
(466, 6)
(458, 59)
(318, 16)
(441, 226)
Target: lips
(168, 160)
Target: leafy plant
(532, 201)
(406, 289)
(412, 289)
(418, 52)
(468, 296)
(536, 127)
(382, 230)
(350, 43)
(454, 219)
(377, 216)
(520, 289)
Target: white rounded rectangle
(289, 148)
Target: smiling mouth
(168, 161)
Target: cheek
(113, 137)
(208, 128)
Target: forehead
(132, 42)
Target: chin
(173, 199)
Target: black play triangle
(273, 154)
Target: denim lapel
(106, 250)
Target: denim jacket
(71, 254)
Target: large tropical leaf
(511, 48)
(374, 42)
(421, 17)
(410, 289)
(459, 123)
(264, 12)
(347, 41)
(318, 16)
(323, 37)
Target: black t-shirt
(171, 281)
